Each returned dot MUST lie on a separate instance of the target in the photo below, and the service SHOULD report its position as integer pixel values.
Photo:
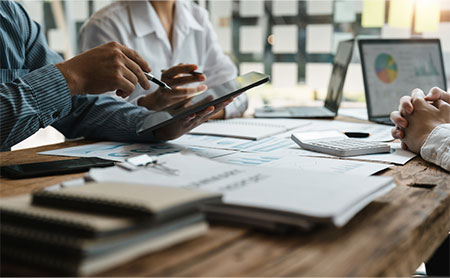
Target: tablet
(198, 103)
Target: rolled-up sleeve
(436, 148)
(31, 102)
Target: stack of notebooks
(87, 229)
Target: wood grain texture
(390, 237)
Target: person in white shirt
(176, 38)
(423, 125)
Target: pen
(159, 82)
(192, 72)
(357, 134)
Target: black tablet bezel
(196, 109)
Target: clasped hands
(418, 115)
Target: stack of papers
(259, 197)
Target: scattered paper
(121, 151)
(319, 38)
(304, 163)
(373, 13)
(286, 39)
(400, 13)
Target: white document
(285, 7)
(121, 151)
(253, 129)
(328, 197)
(344, 11)
(342, 166)
(251, 39)
(379, 133)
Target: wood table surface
(390, 237)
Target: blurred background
(293, 41)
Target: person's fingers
(397, 133)
(125, 87)
(436, 93)
(129, 75)
(398, 120)
(405, 105)
(137, 71)
(133, 55)
(404, 146)
(440, 104)
(417, 93)
(183, 68)
(186, 80)
(187, 92)
(205, 112)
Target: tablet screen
(210, 97)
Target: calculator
(336, 143)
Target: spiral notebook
(252, 129)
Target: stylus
(156, 81)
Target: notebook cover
(157, 202)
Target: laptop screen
(340, 65)
(393, 68)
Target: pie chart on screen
(386, 68)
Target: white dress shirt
(436, 148)
(137, 25)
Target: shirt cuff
(49, 88)
(436, 148)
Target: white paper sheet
(318, 194)
(319, 38)
(251, 39)
(284, 75)
(354, 82)
(389, 32)
(304, 163)
(120, 151)
(56, 40)
(286, 39)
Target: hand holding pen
(176, 78)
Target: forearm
(436, 148)
(104, 118)
(31, 102)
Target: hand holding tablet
(179, 117)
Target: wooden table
(390, 237)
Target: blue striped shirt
(34, 93)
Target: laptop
(334, 96)
(392, 68)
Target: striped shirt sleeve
(31, 102)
